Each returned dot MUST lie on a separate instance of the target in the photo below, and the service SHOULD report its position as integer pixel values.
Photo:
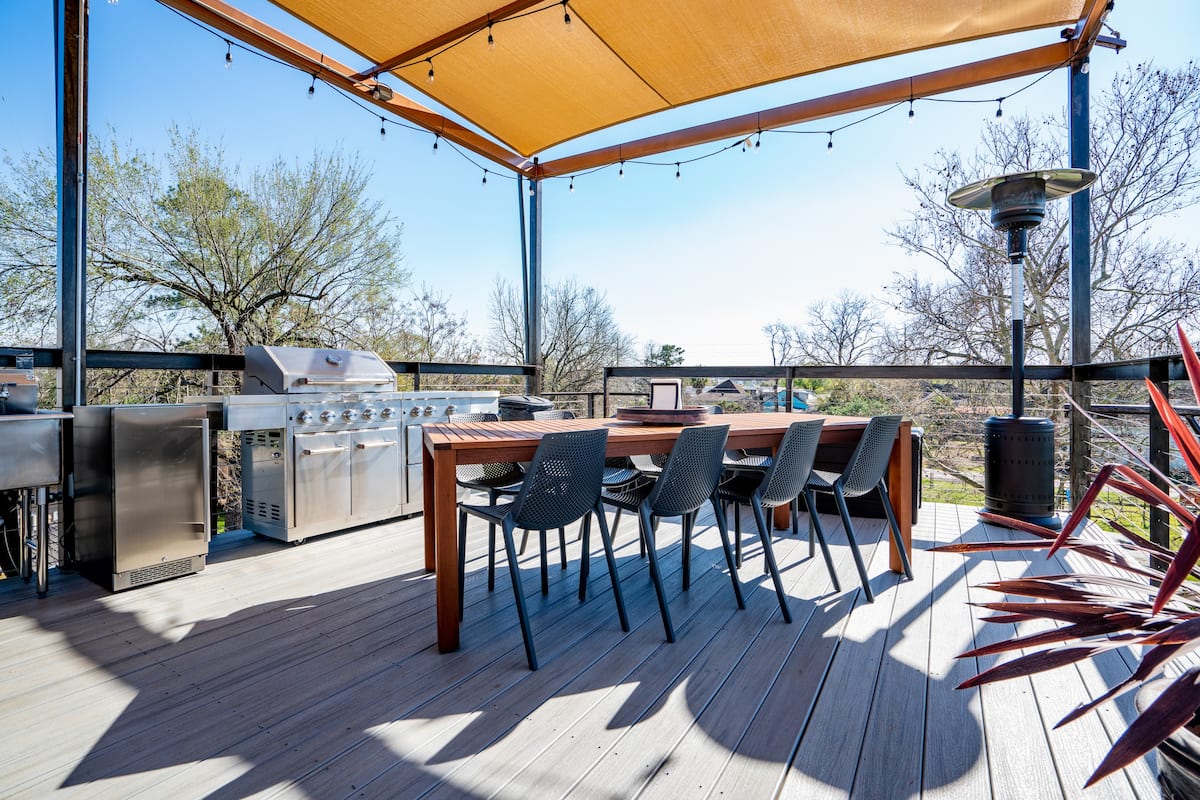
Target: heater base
(1018, 475)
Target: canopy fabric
(545, 82)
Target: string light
(228, 54)
(485, 177)
(829, 146)
(745, 144)
(566, 15)
(999, 107)
(382, 129)
(312, 88)
(1087, 65)
(436, 136)
(621, 171)
(532, 188)
(430, 61)
(911, 113)
(676, 170)
(758, 141)
(571, 188)
(491, 41)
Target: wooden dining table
(446, 445)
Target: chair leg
(545, 565)
(858, 561)
(686, 549)
(737, 533)
(514, 572)
(894, 531)
(462, 560)
(491, 557)
(612, 568)
(723, 528)
(585, 560)
(647, 531)
(562, 547)
(524, 541)
(764, 533)
(814, 526)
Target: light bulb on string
(566, 16)
(485, 177)
(911, 114)
(829, 146)
(758, 141)
(430, 60)
(228, 54)
(1086, 67)
(676, 170)
(999, 107)
(382, 129)
(436, 136)
(532, 188)
(621, 171)
(491, 41)
(571, 187)
(312, 88)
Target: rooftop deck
(311, 672)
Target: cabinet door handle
(323, 451)
(365, 445)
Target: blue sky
(741, 240)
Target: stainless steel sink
(31, 449)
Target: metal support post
(533, 300)
(1160, 455)
(71, 67)
(1081, 281)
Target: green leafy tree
(665, 355)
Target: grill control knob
(369, 413)
(304, 417)
(449, 410)
(388, 412)
(416, 412)
(429, 411)
(349, 415)
(328, 416)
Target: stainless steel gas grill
(323, 439)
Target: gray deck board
(311, 672)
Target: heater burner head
(1019, 200)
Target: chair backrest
(484, 417)
(871, 456)
(792, 463)
(563, 480)
(692, 471)
(469, 473)
(554, 413)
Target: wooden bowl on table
(692, 415)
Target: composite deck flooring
(312, 672)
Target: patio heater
(1018, 475)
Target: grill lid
(303, 370)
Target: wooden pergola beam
(466, 29)
(241, 26)
(1013, 65)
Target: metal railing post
(1160, 455)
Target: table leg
(899, 483)
(42, 556)
(430, 511)
(782, 518)
(445, 498)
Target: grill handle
(366, 445)
(343, 381)
(323, 451)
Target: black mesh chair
(494, 480)
(562, 485)
(617, 471)
(689, 479)
(863, 473)
(781, 484)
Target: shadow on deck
(312, 672)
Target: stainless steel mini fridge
(141, 492)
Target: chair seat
(618, 476)
(628, 497)
(739, 488)
(822, 481)
(508, 482)
(746, 461)
(492, 513)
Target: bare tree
(1144, 139)
(579, 334)
(842, 331)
